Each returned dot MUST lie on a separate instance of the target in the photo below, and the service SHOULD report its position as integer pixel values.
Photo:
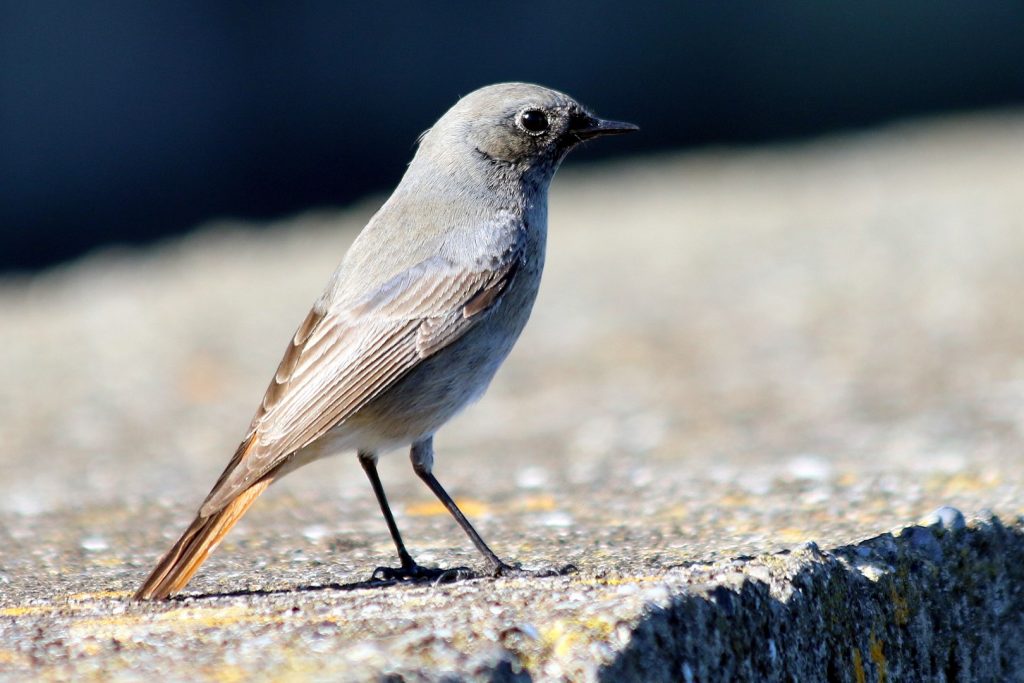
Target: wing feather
(338, 361)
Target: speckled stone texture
(771, 405)
(930, 604)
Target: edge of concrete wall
(943, 602)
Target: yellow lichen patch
(122, 627)
(901, 611)
(75, 601)
(470, 507)
(99, 595)
(858, 668)
(877, 652)
(107, 561)
(25, 610)
(563, 636)
(598, 626)
(536, 504)
(558, 639)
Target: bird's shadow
(368, 584)
(432, 577)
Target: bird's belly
(445, 383)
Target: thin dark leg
(369, 463)
(423, 463)
(409, 569)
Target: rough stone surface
(928, 604)
(749, 376)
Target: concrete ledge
(933, 603)
(939, 603)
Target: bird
(412, 326)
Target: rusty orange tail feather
(185, 557)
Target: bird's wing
(338, 361)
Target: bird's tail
(184, 558)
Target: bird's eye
(533, 121)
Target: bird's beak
(594, 128)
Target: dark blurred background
(124, 121)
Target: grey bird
(412, 326)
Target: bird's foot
(417, 573)
(515, 571)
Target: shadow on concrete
(446, 577)
(435, 577)
(930, 604)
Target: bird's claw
(417, 573)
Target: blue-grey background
(125, 121)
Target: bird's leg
(409, 568)
(422, 456)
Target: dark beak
(585, 128)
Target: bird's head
(516, 128)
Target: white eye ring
(533, 121)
